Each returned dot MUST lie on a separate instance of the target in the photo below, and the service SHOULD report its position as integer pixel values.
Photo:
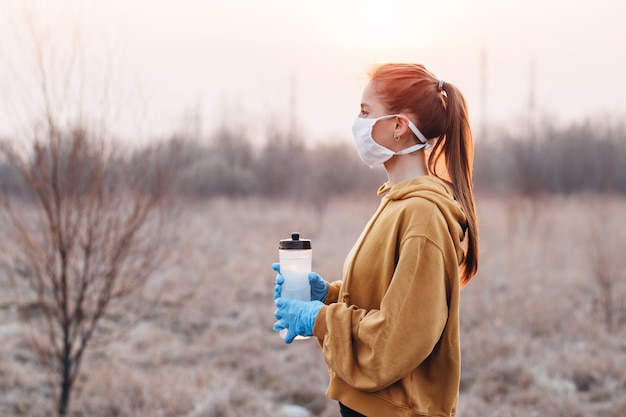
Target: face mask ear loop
(412, 149)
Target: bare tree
(86, 235)
(91, 219)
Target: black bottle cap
(295, 242)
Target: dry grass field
(543, 324)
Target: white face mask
(374, 154)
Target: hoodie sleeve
(333, 292)
(372, 349)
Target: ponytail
(454, 151)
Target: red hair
(439, 111)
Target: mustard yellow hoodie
(390, 331)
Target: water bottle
(295, 257)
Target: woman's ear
(401, 127)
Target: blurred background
(196, 134)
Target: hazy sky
(248, 64)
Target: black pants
(347, 412)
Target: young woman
(389, 330)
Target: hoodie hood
(438, 192)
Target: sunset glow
(277, 59)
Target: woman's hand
(297, 317)
(319, 287)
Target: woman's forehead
(370, 96)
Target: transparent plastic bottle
(295, 257)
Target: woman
(389, 330)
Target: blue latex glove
(298, 317)
(319, 287)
